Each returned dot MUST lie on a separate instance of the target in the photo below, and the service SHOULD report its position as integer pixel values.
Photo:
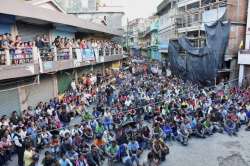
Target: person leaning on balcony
(4, 42)
(57, 41)
(45, 40)
(39, 42)
(83, 44)
(18, 39)
(68, 43)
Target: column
(35, 54)
(55, 53)
(70, 53)
(7, 56)
(22, 98)
(110, 51)
(241, 75)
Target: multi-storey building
(167, 11)
(95, 11)
(188, 17)
(30, 75)
(244, 56)
(78, 5)
(132, 34)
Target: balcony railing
(47, 53)
(21, 56)
(2, 57)
(31, 61)
(31, 55)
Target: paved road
(217, 150)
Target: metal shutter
(42, 92)
(64, 80)
(9, 101)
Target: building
(95, 11)
(142, 37)
(78, 5)
(167, 11)
(134, 27)
(188, 17)
(244, 56)
(36, 76)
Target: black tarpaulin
(200, 64)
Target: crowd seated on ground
(123, 114)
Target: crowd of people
(123, 114)
(21, 52)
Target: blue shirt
(133, 146)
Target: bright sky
(135, 8)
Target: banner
(88, 55)
(78, 53)
(116, 65)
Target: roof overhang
(25, 10)
(40, 2)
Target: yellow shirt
(28, 157)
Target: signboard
(116, 65)
(88, 55)
(48, 65)
(78, 54)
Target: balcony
(189, 22)
(244, 57)
(16, 63)
(33, 61)
(182, 3)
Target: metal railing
(2, 57)
(21, 55)
(28, 55)
(63, 54)
(47, 53)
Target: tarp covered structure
(200, 64)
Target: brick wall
(237, 10)
(237, 14)
(237, 34)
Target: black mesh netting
(200, 64)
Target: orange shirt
(99, 143)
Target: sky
(135, 8)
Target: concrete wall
(114, 20)
(247, 74)
(31, 95)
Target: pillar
(7, 56)
(70, 53)
(55, 53)
(22, 98)
(241, 75)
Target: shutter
(41, 92)
(64, 80)
(9, 102)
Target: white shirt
(242, 116)
(73, 85)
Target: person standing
(30, 157)
(18, 141)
